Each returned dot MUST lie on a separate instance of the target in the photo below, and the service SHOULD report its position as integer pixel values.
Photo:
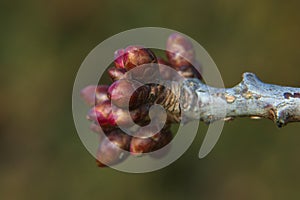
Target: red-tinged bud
(96, 128)
(127, 118)
(109, 117)
(185, 71)
(120, 93)
(136, 55)
(141, 115)
(101, 93)
(111, 148)
(145, 141)
(179, 50)
(138, 146)
(116, 73)
(189, 72)
(94, 94)
(119, 58)
(88, 94)
(102, 113)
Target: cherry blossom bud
(88, 94)
(101, 93)
(120, 93)
(96, 128)
(144, 144)
(102, 113)
(108, 116)
(138, 146)
(180, 51)
(136, 55)
(116, 73)
(118, 56)
(111, 148)
(94, 94)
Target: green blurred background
(42, 46)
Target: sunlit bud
(116, 73)
(88, 94)
(96, 128)
(145, 141)
(111, 148)
(120, 93)
(102, 113)
(136, 56)
(179, 50)
(94, 94)
(118, 56)
(138, 146)
(101, 93)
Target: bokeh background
(42, 46)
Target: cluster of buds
(126, 103)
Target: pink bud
(179, 50)
(101, 93)
(102, 113)
(119, 58)
(116, 73)
(138, 146)
(88, 94)
(96, 128)
(111, 148)
(109, 117)
(120, 93)
(142, 144)
(136, 55)
(94, 94)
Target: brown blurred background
(42, 46)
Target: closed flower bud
(101, 93)
(127, 118)
(149, 140)
(116, 73)
(88, 94)
(141, 115)
(102, 113)
(118, 56)
(136, 55)
(179, 50)
(111, 148)
(138, 146)
(109, 117)
(94, 94)
(120, 93)
(96, 128)
(185, 71)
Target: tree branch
(250, 98)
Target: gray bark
(250, 98)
